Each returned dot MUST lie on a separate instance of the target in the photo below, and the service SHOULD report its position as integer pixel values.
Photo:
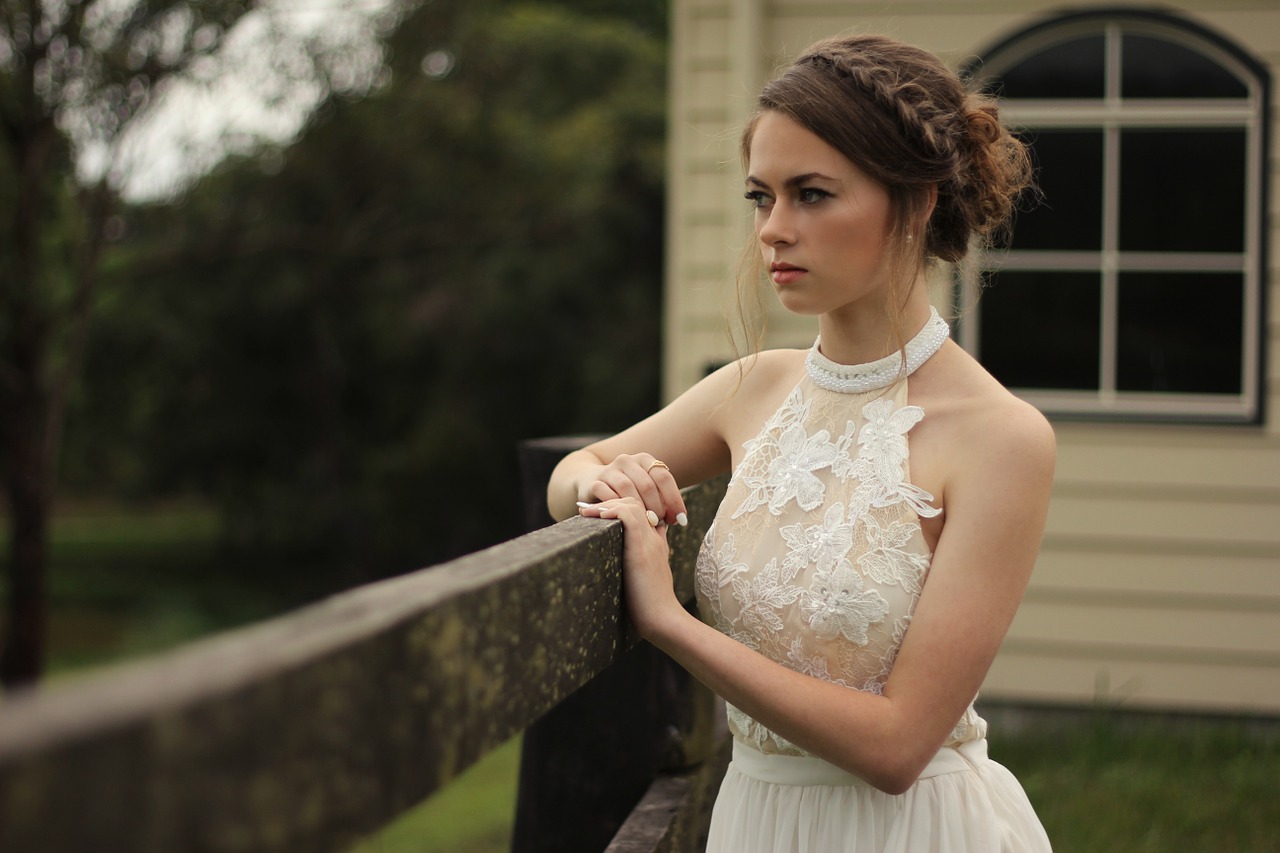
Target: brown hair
(906, 120)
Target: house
(1137, 307)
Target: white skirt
(962, 803)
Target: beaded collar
(858, 378)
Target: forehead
(781, 147)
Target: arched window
(1134, 288)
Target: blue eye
(810, 195)
(757, 198)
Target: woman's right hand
(641, 476)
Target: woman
(865, 160)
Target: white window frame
(1111, 115)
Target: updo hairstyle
(906, 120)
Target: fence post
(586, 763)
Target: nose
(778, 225)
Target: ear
(931, 201)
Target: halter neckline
(873, 375)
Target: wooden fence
(310, 731)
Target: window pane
(1155, 68)
(1041, 329)
(1069, 173)
(1182, 190)
(1180, 332)
(1072, 69)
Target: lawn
(130, 582)
(1144, 783)
(472, 815)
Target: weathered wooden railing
(313, 730)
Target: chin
(797, 304)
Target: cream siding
(1158, 583)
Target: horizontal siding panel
(706, 89)
(1196, 458)
(706, 243)
(1023, 675)
(1148, 632)
(1224, 524)
(704, 188)
(708, 39)
(1105, 571)
(953, 37)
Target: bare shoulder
(750, 389)
(771, 368)
(981, 425)
(753, 375)
(999, 422)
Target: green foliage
(341, 343)
(1142, 783)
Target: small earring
(910, 238)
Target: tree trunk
(22, 652)
(24, 458)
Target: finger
(615, 509)
(669, 491)
(621, 481)
(641, 468)
(602, 491)
(630, 511)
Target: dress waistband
(809, 770)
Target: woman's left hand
(647, 584)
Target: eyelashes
(805, 195)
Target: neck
(857, 334)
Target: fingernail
(652, 516)
(682, 519)
(584, 505)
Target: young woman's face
(822, 224)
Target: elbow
(895, 771)
(895, 783)
(892, 780)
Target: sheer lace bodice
(816, 557)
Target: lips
(784, 273)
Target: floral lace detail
(816, 558)
(760, 598)
(837, 604)
(887, 560)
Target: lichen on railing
(311, 730)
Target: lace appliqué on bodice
(816, 557)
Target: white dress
(816, 560)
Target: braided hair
(906, 120)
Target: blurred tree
(75, 78)
(342, 342)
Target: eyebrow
(793, 182)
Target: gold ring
(657, 463)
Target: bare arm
(690, 436)
(997, 499)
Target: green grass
(1141, 783)
(471, 815)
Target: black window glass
(1182, 190)
(1180, 332)
(1155, 68)
(1068, 168)
(1041, 329)
(1070, 69)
